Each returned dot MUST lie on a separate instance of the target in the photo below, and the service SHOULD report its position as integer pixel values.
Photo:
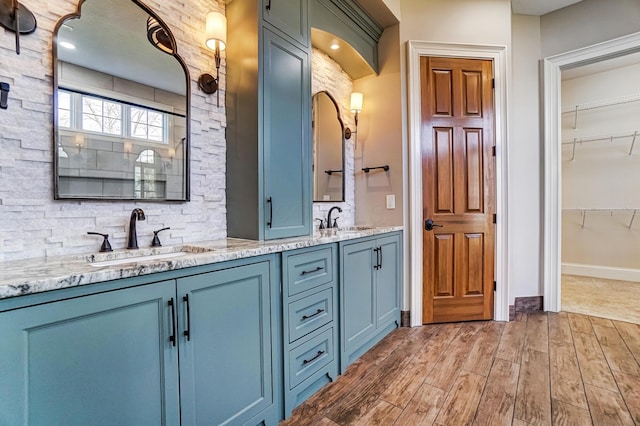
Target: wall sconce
(16, 18)
(216, 40)
(356, 107)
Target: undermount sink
(137, 259)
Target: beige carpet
(617, 300)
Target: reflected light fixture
(356, 107)
(67, 45)
(216, 40)
(334, 46)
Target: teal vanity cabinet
(310, 305)
(268, 105)
(370, 287)
(203, 348)
(98, 359)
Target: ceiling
(539, 7)
(111, 37)
(597, 67)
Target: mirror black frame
(342, 128)
(187, 175)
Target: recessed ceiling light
(334, 46)
(67, 45)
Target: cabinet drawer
(310, 313)
(309, 270)
(309, 357)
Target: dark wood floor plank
(593, 365)
(629, 386)
(566, 382)
(615, 350)
(537, 333)
(564, 414)
(499, 396)
(382, 414)
(580, 323)
(326, 422)
(423, 408)
(559, 327)
(631, 335)
(446, 370)
(481, 355)
(533, 399)
(405, 385)
(512, 341)
(607, 407)
(462, 402)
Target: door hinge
(495, 218)
(495, 286)
(493, 83)
(493, 150)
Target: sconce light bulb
(334, 46)
(356, 102)
(216, 31)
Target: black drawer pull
(187, 332)
(318, 312)
(319, 268)
(318, 355)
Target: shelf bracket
(573, 152)
(575, 118)
(633, 142)
(632, 218)
(584, 216)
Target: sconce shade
(216, 32)
(356, 102)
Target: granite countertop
(29, 276)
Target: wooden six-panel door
(458, 189)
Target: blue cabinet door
(358, 293)
(388, 279)
(286, 101)
(103, 359)
(227, 332)
(289, 16)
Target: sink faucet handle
(156, 240)
(321, 225)
(106, 246)
(335, 222)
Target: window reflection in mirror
(121, 105)
(328, 149)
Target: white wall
(33, 224)
(525, 161)
(602, 174)
(588, 22)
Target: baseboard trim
(606, 272)
(405, 318)
(525, 304)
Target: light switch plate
(391, 202)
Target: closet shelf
(584, 212)
(610, 138)
(574, 109)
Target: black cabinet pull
(319, 268)
(270, 201)
(172, 338)
(318, 312)
(377, 265)
(380, 254)
(186, 332)
(269, 5)
(318, 355)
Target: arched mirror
(328, 149)
(121, 105)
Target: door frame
(498, 54)
(552, 69)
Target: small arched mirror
(328, 149)
(121, 105)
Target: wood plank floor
(542, 369)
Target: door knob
(429, 225)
